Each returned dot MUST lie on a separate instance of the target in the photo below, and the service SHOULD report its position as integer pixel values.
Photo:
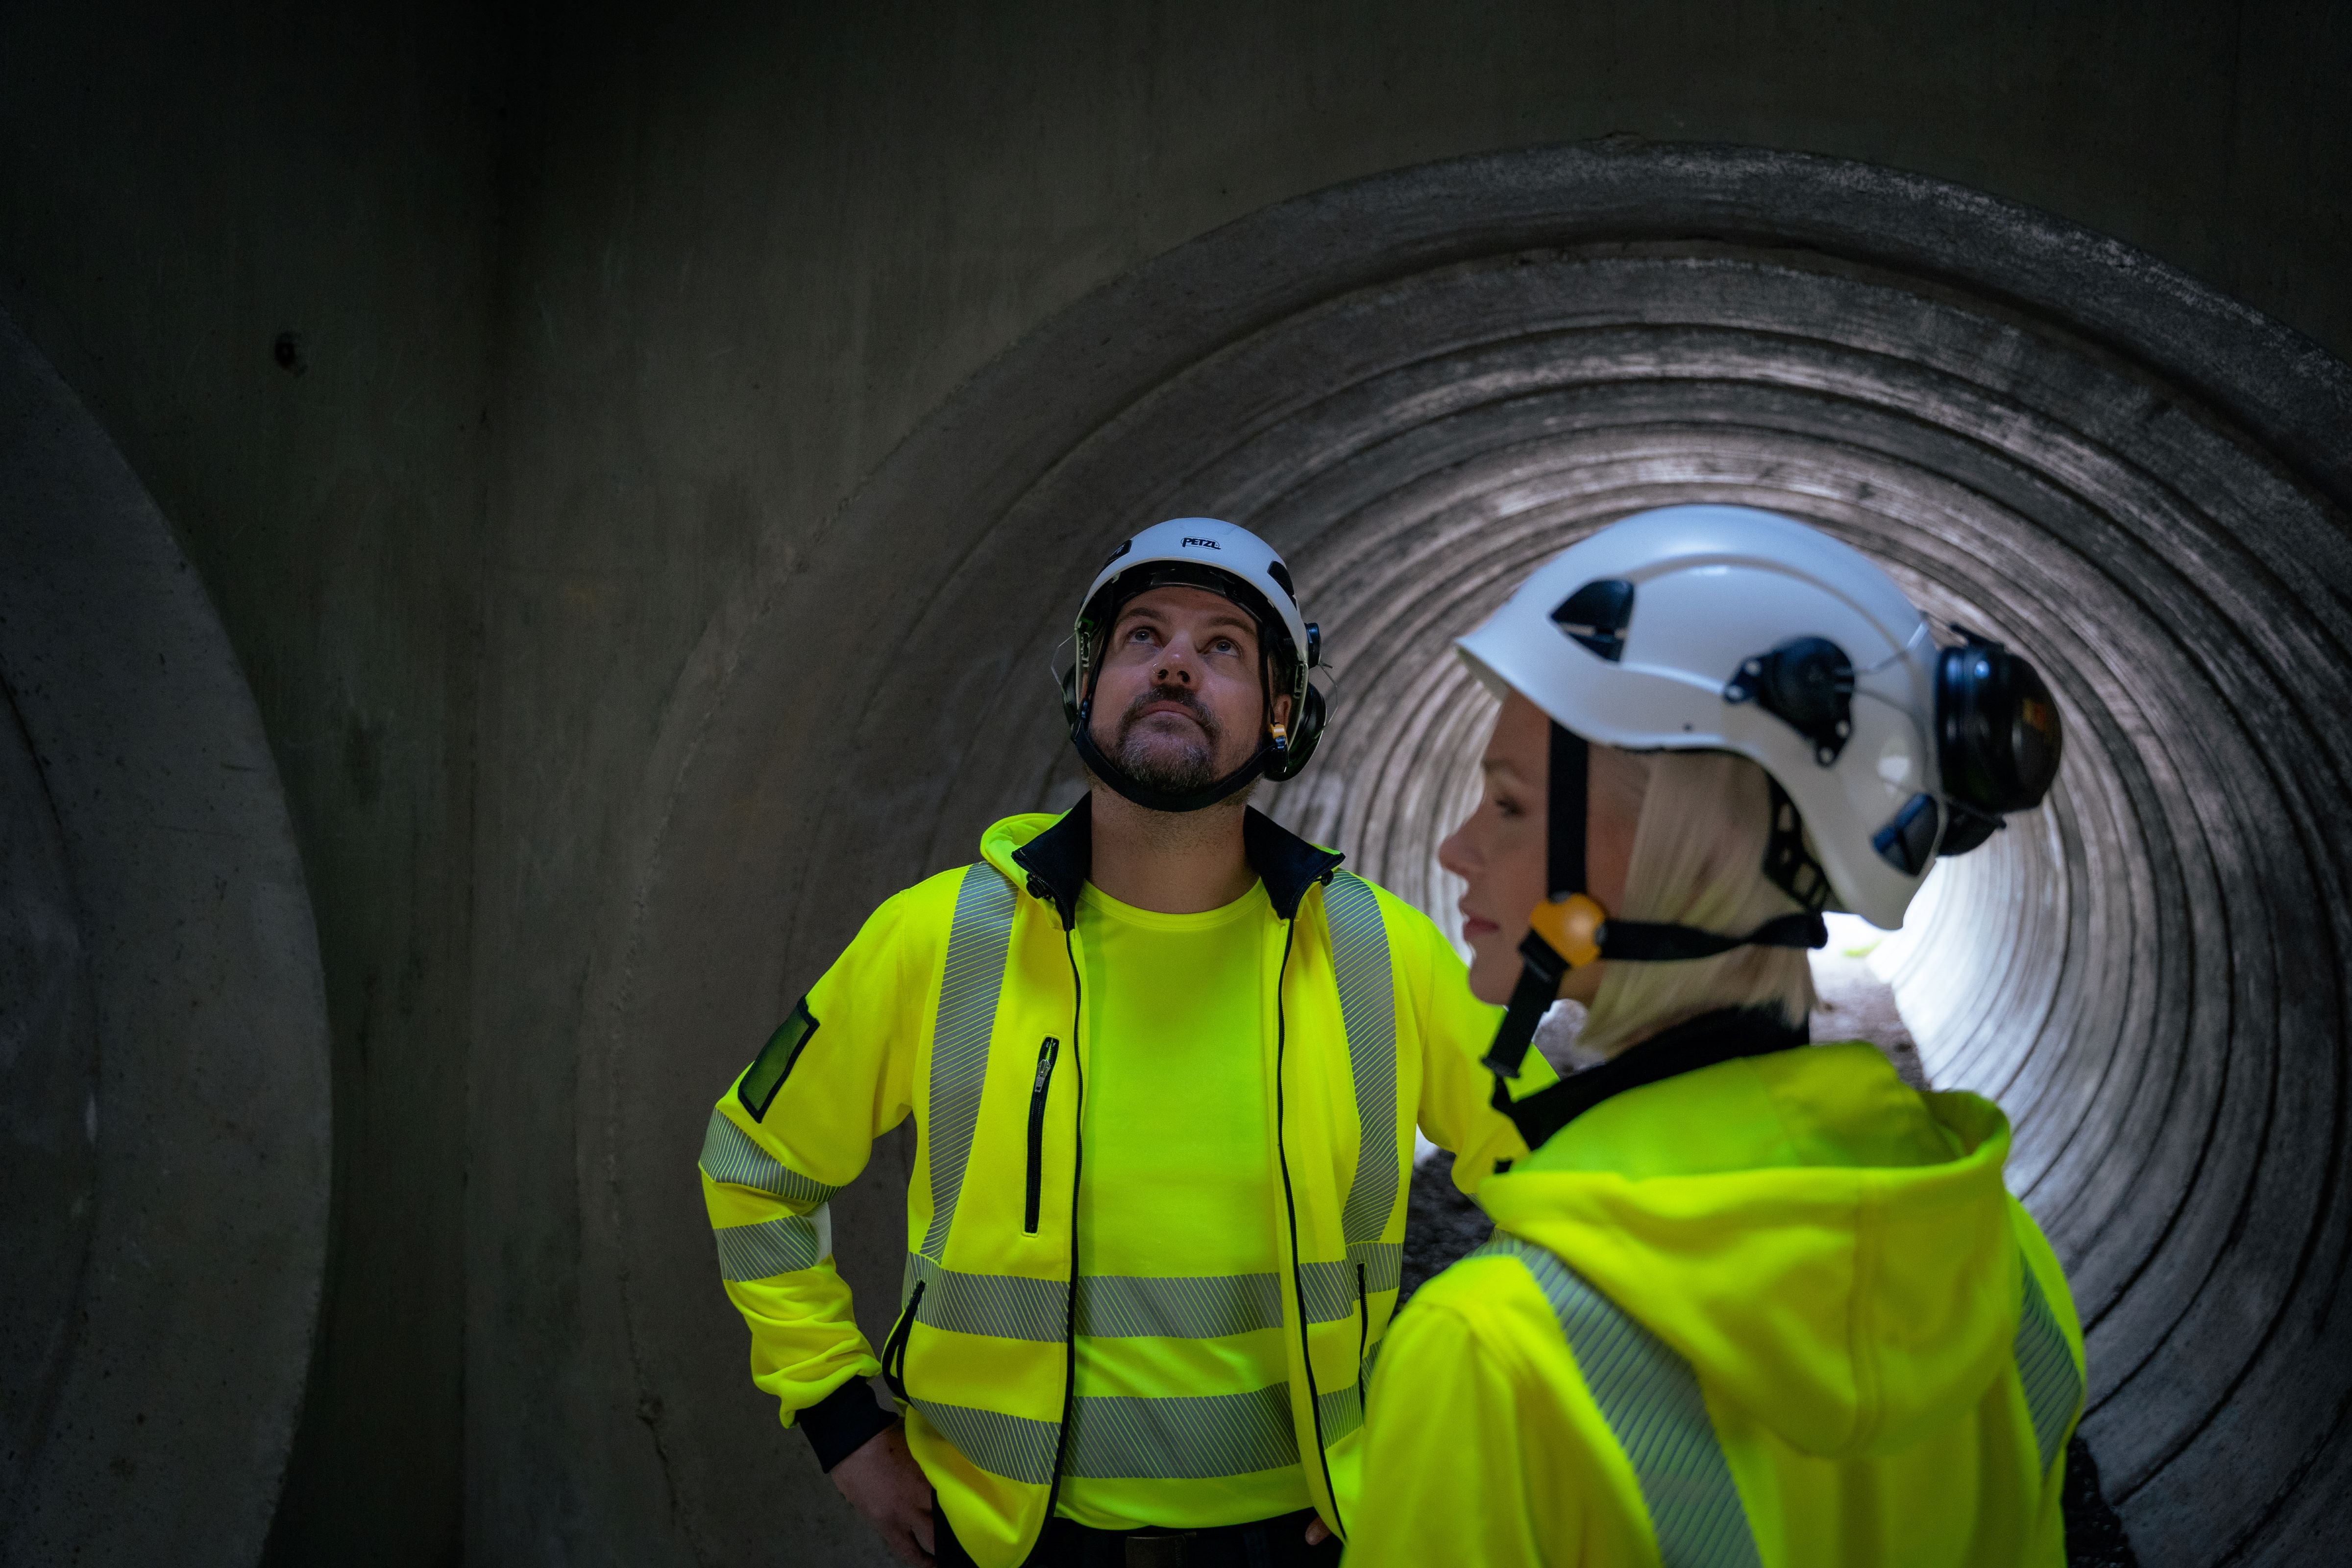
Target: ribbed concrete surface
(1421, 385)
(163, 1097)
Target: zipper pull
(1045, 1055)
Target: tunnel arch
(164, 1102)
(1418, 386)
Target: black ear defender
(1998, 738)
(1294, 745)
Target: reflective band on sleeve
(1003, 1306)
(1128, 1305)
(728, 1155)
(1359, 961)
(2046, 1367)
(1186, 1437)
(977, 943)
(1014, 1447)
(1651, 1401)
(774, 1246)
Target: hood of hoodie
(1831, 1250)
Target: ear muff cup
(1998, 735)
(1303, 738)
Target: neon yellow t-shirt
(1183, 1418)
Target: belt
(1262, 1543)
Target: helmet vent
(1597, 615)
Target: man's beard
(1155, 762)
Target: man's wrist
(844, 1422)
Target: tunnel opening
(1421, 386)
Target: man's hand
(883, 1482)
(1318, 1533)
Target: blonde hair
(1699, 860)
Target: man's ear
(1282, 712)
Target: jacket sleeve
(1445, 1465)
(797, 1126)
(1457, 1113)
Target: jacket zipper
(1290, 1213)
(1070, 1296)
(1045, 1055)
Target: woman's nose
(1453, 854)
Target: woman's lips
(1476, 926)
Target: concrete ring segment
(1419, 386)
(164, 1089)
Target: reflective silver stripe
(773, 1247)
(1342, 1410)
(2046, 1367)
(1360, 962)
(1004, 1306)
(1651, 1399)
(977, 945)
(1332, 1289)
(1130, 1306)
(1014, 1447)
(728, 1155)
(1187, 1437)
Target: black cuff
(844, 1422)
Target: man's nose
(1174, 668)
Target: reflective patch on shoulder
(774, 1064)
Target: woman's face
(1499, 850)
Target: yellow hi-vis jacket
(1778, 1312)
(959, 1003)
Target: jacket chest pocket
(1034, 1176)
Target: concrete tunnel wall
(1459, 369)
(601, 325)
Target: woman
(1748, 1301)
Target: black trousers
(1267, 1543)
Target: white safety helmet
(1203, 552)
(1726, 629)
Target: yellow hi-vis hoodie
(1777, 1312)
(959, 1003)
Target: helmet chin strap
(1569, 929)
(1149, 797)
(1152, 798)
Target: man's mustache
(1191, 703)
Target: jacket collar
(1058, 860)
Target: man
(1165, 1060)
